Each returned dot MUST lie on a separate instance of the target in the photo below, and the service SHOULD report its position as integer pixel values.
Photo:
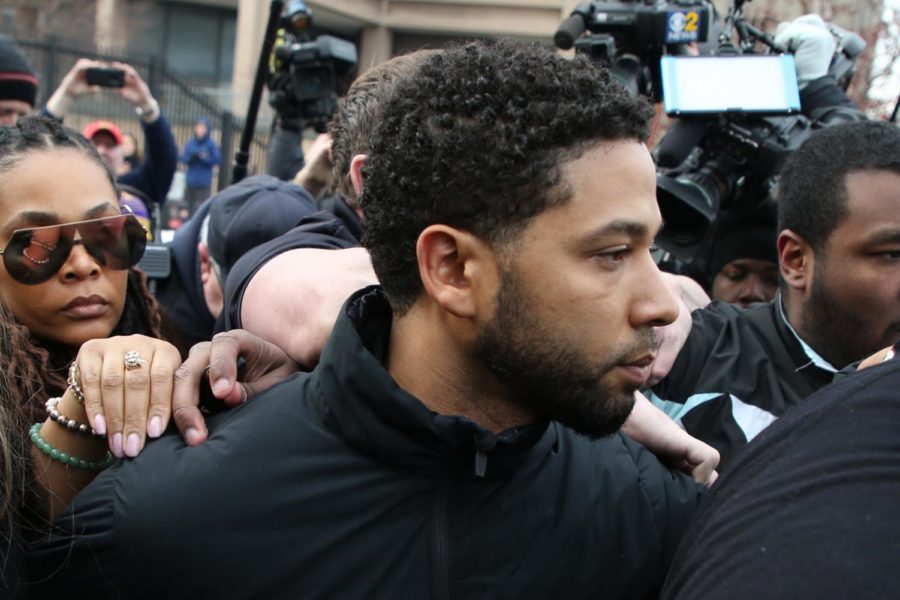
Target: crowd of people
(441, 360)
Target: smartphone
(710, 85)
(105, 77)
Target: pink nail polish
(99, 424)
(117, 445)
(133, 445)
(154, 429)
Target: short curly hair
(475, 140)
(812, 189)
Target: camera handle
(242, 154)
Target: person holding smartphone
(153, 175)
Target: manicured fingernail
(154, 429)
(133, 445)
(192, 435)
(99, 424)
(221, 386)
(117, 445)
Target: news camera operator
(304, 81)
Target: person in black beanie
(743, 264)
(18, 83)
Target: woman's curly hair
(475, 139)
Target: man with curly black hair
(511, 208)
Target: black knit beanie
(18, 79)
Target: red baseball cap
(96, 127)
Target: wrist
(148, 111)
(58, 104)
(71, 407)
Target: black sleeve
(285, 153)
(684, 377)
(154, 175)
(319, 230)
(823, 100)
(673, 498)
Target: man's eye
(735, 275)
(614, 255)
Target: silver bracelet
(73, 382)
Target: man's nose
(655, 304)
(753, 290)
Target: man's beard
(840, 336)
(551, 376)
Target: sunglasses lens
(33, 256)
(116, 243)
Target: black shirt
(809, 509)
(324, 230)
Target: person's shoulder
(632, 464)
(169, 481)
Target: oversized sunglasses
(35, 255)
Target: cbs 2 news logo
(683, 27)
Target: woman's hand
(128, 403)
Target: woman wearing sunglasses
(85, 360)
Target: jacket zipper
(440, 569)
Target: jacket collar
(360, 400)
(804, 364)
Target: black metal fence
(182, 104)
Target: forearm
(59, 103)
(161, 156)
(309, 180)
(58, 483)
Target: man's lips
(86, 307)
(639, 369)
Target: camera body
(736, 163)
(630, 36)
(305, 74)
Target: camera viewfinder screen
(714, 84)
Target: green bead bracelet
(65, 458)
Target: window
(200, 41)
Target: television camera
(706, 162)
(305, 74)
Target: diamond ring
(133, 360)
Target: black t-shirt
(322, 230)
(809, 508)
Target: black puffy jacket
(338, 484)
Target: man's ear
(795, 260)
(205, 265)
(356, 176)
(456, 267)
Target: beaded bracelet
(68, 423)
(73, 382)
(67, 459)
